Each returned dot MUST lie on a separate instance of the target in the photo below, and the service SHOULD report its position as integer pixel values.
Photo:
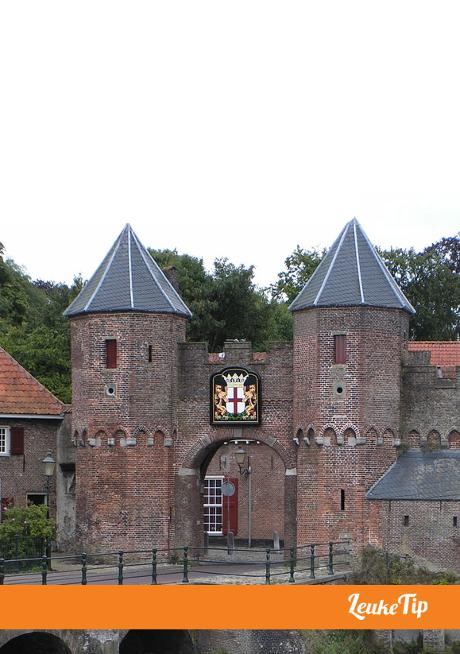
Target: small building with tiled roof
(31, 420)
(441, 353)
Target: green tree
(431, 282)
(300, 266)
(195, 286)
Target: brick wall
(22, 474)
(430, 533)
(430, 402)
(123, 491)
(351, 434)
(198, 440)
(267, 488)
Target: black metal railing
(301, 564)
(19, 549)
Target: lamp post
(240, 456)
(48, 469)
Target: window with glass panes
(4, 440)
(212, 505)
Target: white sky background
(233, 129)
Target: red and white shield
(235, 400)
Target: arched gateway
(190, 478)
(156, 409)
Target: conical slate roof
(128, 279)
(351, 274)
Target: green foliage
(341, 642)
(33, 329)
(27, 521)
(379, 567)
(300, 266)
(430, 280)
(225, 303)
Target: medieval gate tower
(140, 413)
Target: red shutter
(111, 353)
(17, 440)
(340, 348)
(230, 508)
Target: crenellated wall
(430, 406)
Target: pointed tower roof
(128, 279)
(351, 274)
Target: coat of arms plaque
(235, 397)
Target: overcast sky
(234, 129)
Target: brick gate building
(350, 431)
(343, 410)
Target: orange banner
(230, 607)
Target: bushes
(378, 567)
(24, 531)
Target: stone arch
(453, 439)
(388, 436)
(189, 484)
(353, 427)
(433, 440)
(35, 641)
(413, 438)
(310, 438)
(140, 430)
(119, 435)
(100, 438)
(168, 641)
(330, 436)
(371, 435)
(162, 430)
(349, 436)
(205, 448)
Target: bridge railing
(301, 564)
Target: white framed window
(5, 441)
(212, 505)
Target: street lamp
(48, 469)
(240, 457)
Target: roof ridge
(152, 260)
(394, 287)
(355, 222)
(33, 379)
(131, 297)
(104, 274)
(342, 236)
(150, 271)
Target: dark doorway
(159, 641)
(35, 643)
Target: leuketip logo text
(405, 604)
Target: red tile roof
(442, 353)
(22, 394)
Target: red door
(230, 509)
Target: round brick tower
(125, 328)
(350, 323)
